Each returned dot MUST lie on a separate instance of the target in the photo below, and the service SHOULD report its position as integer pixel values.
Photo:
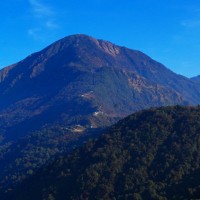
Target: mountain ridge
(196, 78)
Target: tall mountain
(153, 154)
(80, 80)
(56, 98)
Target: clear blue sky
(166, 30)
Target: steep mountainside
(153, 154)
(81, 80)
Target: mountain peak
(79, 36)
(76, 38)
(84, 40)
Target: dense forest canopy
(153, 154)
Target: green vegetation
(153, 154)
(22, 159)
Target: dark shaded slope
(153, 154)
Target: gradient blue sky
(166, 30)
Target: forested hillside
(153, 154)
